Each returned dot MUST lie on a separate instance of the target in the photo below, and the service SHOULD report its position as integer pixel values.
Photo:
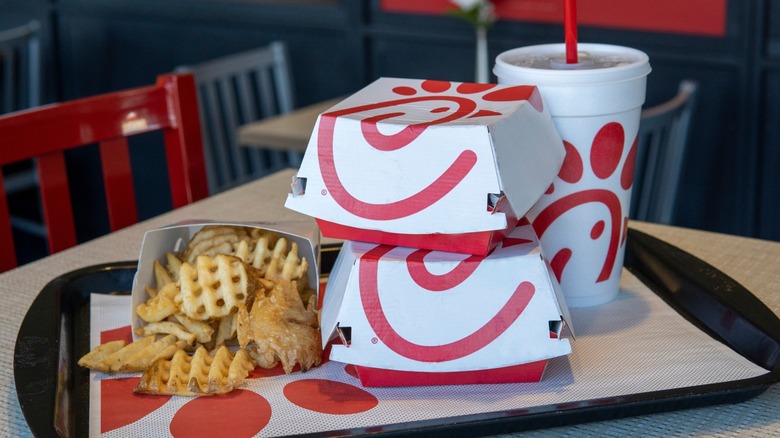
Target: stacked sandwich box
(440, 280)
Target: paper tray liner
(595, 369)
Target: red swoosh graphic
(561, 206)
(415, 263)
(369, 294)
(426, 197)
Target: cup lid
(629, 64)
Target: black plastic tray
(54, 392)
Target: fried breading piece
(130, 358)
(279, 328)
(215, 287)
(203, 373)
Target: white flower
(480, 13)
(467, 5)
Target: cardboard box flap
(336, 288)
(561, 301)
(526, 148)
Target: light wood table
(289, 132)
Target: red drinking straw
(570, 30)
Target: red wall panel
(693, 17)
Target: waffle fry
(129, 358)
(167, 328)
(173, 267)
(162, 276)
(202, 330)
(200, 374)
(257, 252)
(223, 239)
(92, 359)
(215, 287)
(161, 305)
(286, 265)
(226, 329)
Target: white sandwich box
(174, 238)
(428, 164)
(407, 317)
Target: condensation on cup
(595, 104)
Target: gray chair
(235, 90)
(663, 137)
(20, 88)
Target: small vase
(481, 75)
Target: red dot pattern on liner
(120, 406)
(243, 412)
(463, 105)
(320, 395)
(605, 155)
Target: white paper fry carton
(157, 243)
(407, 317)
(428, 164)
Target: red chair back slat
(56, 202)
(118, 183)
(186, 168)
(7, 258)
(44, 133)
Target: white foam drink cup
(595, 104)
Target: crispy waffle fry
(161, 305)
(277, 263)
(115, 360)
(174, 265)
(94, 357)
(258, 252)
(163, 348)
(167, 328)
(281, 329)
(286, 265)
(202, 330)
(130, 358)
(215, 239)
(161, 275)
(200, 374)
(216, 287)
(226, 329)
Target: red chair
(45, 133)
